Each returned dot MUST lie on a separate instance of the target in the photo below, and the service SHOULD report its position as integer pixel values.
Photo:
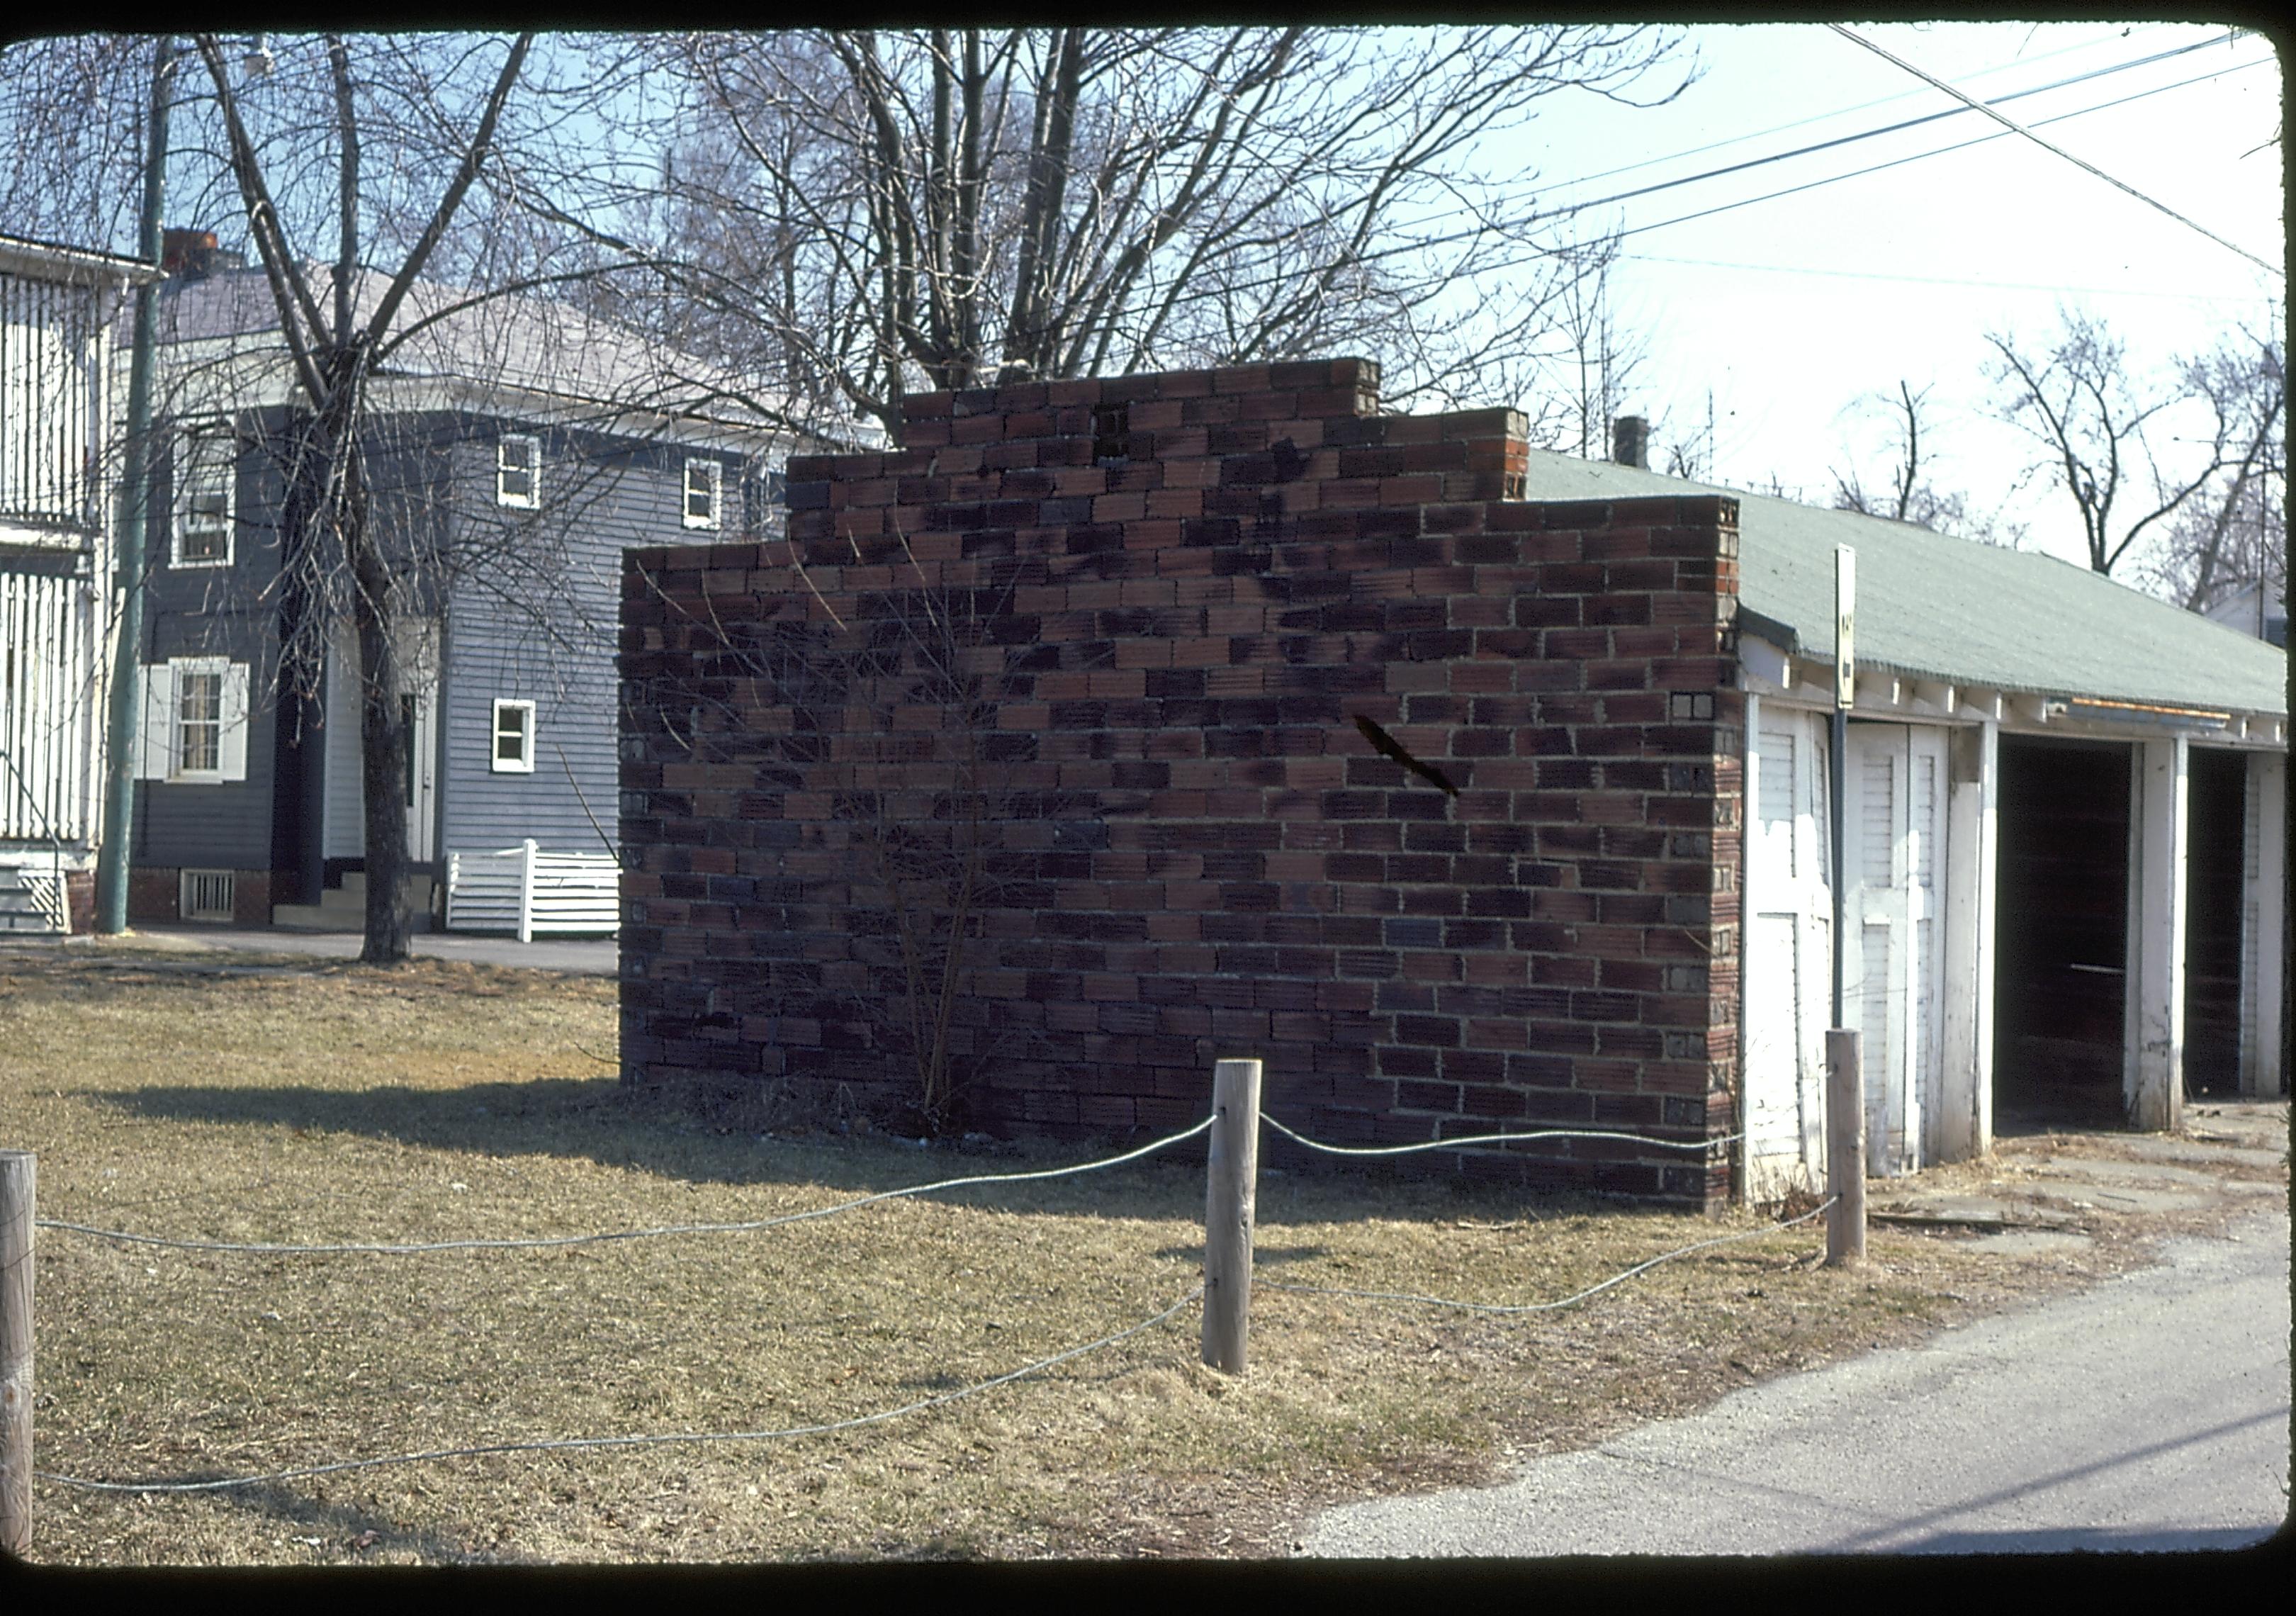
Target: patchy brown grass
(246, 1099)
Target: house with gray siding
(514, 448)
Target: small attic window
(518, 471)
(705, 482)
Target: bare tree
(1911, 494)
(2095, 425)
(336, 346)
(2234, 534)
(877, 212)
(1601, 360)
(72, 108)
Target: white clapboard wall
(523, 890)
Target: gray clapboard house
(57, 474)
(516, 446)
(2065, 805)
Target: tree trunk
(382, 730)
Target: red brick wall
(1193, 584)
(155, 893)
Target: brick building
(1469, 786)
(1173, 597)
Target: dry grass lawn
(244, 1099)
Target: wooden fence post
(1231, 1186)
(16, 1175)
(1845, 1150)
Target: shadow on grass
(348, 1534)
(640, 1130)
(601, 1122)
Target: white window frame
(713, 483)
(531, 500)
(193, 447)
(163, 706)
(522, 764)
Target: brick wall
(1172, 596)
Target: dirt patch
(263, 1101)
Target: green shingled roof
(1935, 607)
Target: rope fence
(749, 1225)
(551, 1242)
(560, 1444)
(1575, 1296)
(1235, 1127)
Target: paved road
(2150, 1413)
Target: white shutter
(157, 734)
(232, 749)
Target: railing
(523, 890)
(57, 907)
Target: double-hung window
(198, 720)
(206, 473)
(512, 748)
(518, 471)
(195, 729)
(705, 489)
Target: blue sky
(1790, 311)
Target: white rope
(551, 1241)
(1549, 1307)
(1441, 1145)
(562, 1443)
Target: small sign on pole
(1845, 626)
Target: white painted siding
(49, 337)
(47, 684)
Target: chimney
(192, 255)
(188, 253)
(1630, 441)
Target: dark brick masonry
(1180, 591)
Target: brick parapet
(1197, 851)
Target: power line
(1532, 254)
(1893, 128)
(1940, 152)
(1862, 106)
(1936, 280)
(2012, 124)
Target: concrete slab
(2199, 1152)
(2087, 1194)
(2104, 1171)
(2029, 1243)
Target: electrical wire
(2010, 123)
(2232, 36)
(1936, 151)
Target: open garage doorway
(2216, 799)
(2062, 941)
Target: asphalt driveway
(2150, 1413)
